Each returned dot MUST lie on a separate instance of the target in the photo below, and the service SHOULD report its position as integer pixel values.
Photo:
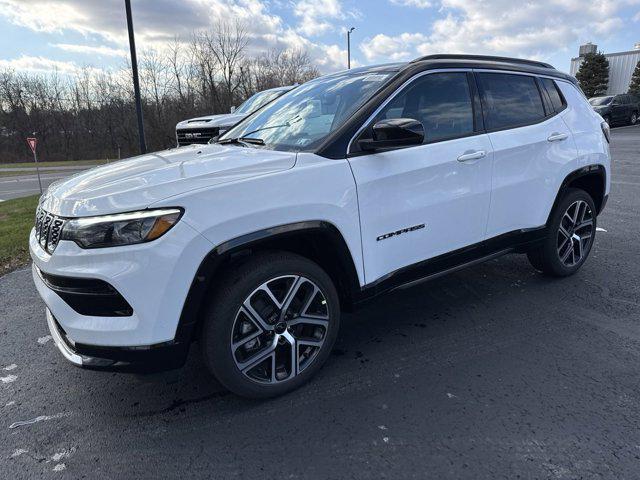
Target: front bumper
(153, 279)
(154, 358)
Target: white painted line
(59, 467)
(8, 379)
(41, 418)
(600, 229)
(13, 366)
(45, 339)
(18, 452)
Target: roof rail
(487, 58)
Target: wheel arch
(592, 179)
(317, 240)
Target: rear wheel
(607, 119)
(271, 326)
(634, 118)
(571, 232)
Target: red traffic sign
(32, 144)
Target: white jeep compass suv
(346, 187)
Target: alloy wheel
(279, 329)
(575, 233)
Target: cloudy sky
(40, 35)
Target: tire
(607, 119)
(633, 119)
(261, 309)
(563, 252)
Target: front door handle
(556, 137)
(472, 155)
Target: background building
(621, 66)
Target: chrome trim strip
(60, 343)
(82, 361)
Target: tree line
(91, 115)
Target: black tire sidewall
(550, 258)
(220, 316)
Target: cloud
(40, 65)
(397, 48)
(314, 15)
(318, 17)
(159, 22)
(91, 50)
(413, 3)
(524, 29)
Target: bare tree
(92, 114)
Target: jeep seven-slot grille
(48, 229)
(188, 136)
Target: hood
(138, 182)
(224, 120)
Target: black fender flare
(203, 279)
(575, 175)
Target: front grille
(48, 229)
(189, 136)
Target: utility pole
(349, 47)
(136, 81)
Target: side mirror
(232, 109)
(396, 132)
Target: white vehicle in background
(350, 186)
(202, 129)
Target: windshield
(258, 100)
(597, 101)
(304, 117)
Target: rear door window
(510, 100)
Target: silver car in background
(203, 129)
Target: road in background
(491, 372)
(16, 186)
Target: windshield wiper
(241, 140)
(257, 141)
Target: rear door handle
(556, 137)
(473, 155)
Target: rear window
(510, 100)
(557, 102)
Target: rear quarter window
(557, 100)
(510, 100)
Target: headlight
(120, 229)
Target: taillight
(606, 131)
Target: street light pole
(349, 47)
(136, 82)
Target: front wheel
(271, 325)
(571, 233)
(634, 118)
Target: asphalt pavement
(25, 180)
(491, 372)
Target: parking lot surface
(492, 372)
